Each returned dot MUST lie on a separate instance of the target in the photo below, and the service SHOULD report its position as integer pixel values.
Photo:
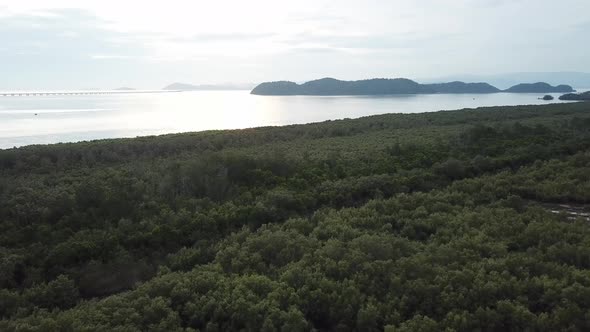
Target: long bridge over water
(77, 93)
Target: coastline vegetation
(397, 222)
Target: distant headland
(585, 96)
(382, 86)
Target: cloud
(64, 41)
(70, 33)
(110, 57)
(208, 37)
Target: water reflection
(51, 119)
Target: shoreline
(157, 136)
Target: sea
(26, 120)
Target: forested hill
(585, 96)
(461, 87)
(380, 86)
(539, 87)
(446, 221)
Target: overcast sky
(148, 44)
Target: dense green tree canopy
(472, 220)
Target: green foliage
(425, 222)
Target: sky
(85, 44)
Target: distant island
(547, 97)
(505, 80)
(382, 86)
(585, 96)
(540, 87)
(190, 87)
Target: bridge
(77, 93)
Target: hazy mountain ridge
(382, 86)
(192, 87)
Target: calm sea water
(52, 119)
